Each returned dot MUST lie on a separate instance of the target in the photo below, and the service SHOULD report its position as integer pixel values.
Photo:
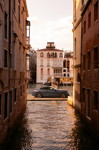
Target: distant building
(67, 71)
(33, 62)
(50, 65)
(14, 45)
(90, 63)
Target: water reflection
(51, 126)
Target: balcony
(57, 74)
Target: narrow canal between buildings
(51, 125)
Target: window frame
(5, 25)
(5, 59)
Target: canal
(51, 125)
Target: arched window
(41, 54)
(41, 71)
(64, 64)
(48, 55)
(64, 75)
(48, 71)
(68, 65)
(55, 54)
(60, 55)
(52, 55)
(64, 70)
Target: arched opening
(48, 55)
(64, 64)
(68, 65)
(41, 54)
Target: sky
(51, 21)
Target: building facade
(67, 71)
(50, 65)
(78, 6)
(77, 52)
(90, 63)
(14, 45)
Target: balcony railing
(58, 74)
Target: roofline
(50, 50)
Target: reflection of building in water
(50, 62)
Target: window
(52, 55)
(84, 26)
(56, 55)
(48, 55)
(96, 100)
(84, 60)
(41, 71)
(10, 102)
(15, 95)
(96, 57)
(48, 71)
(41, 54)
(0, 103)
(5, 105)
(68, 75)
(89, 60)
(64, 75)
(64, 70)
(68, 65)
(60, 55)
(89, 20)
(5, 25)
(1, 42)
(19, 11)
(96, 11)
(5, 58)
(64, 64)
(14, 4)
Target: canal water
(51, 125)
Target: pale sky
(51, 21)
